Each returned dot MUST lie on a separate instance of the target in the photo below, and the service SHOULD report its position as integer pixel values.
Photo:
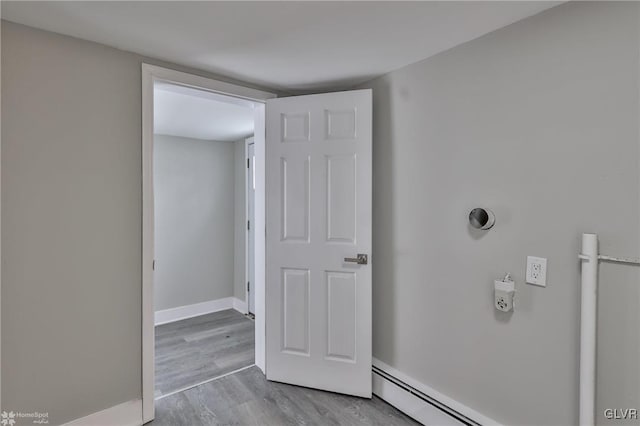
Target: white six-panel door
(318, 207)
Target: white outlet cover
(536, 271)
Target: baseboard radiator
(459, 417)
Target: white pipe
(589, 290)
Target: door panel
(295, 190)
(295, 309)
(341, 199)
(318, 189)
(341, 316)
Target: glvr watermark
(621, 413)
(18, 418)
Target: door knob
(362, 259)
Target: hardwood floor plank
(194, 350)
(247, 398)
(200, 348)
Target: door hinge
(248, 225)
(248, 285)
(154, 265)
(247, 163)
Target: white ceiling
(191, 113)
(293, 46)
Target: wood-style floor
(198, 349)
(247, 398)
(191, 351)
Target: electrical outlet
(504, 303)
(537, 271)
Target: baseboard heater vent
(424, 397)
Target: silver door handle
(362, 259)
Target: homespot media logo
(621, 413)
(11, 418)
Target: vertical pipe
(589, 304)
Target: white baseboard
(411, 405)
(240, 305)
(421, 410)
(125, 414)
(189, 311)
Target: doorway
(221, 317)
(319, 166)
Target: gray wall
(194, 220)
(539, 122)
(240, 225)
(71, 223)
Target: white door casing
(251, 231)
(318, 205)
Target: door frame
(150, 75)
(246, 219)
